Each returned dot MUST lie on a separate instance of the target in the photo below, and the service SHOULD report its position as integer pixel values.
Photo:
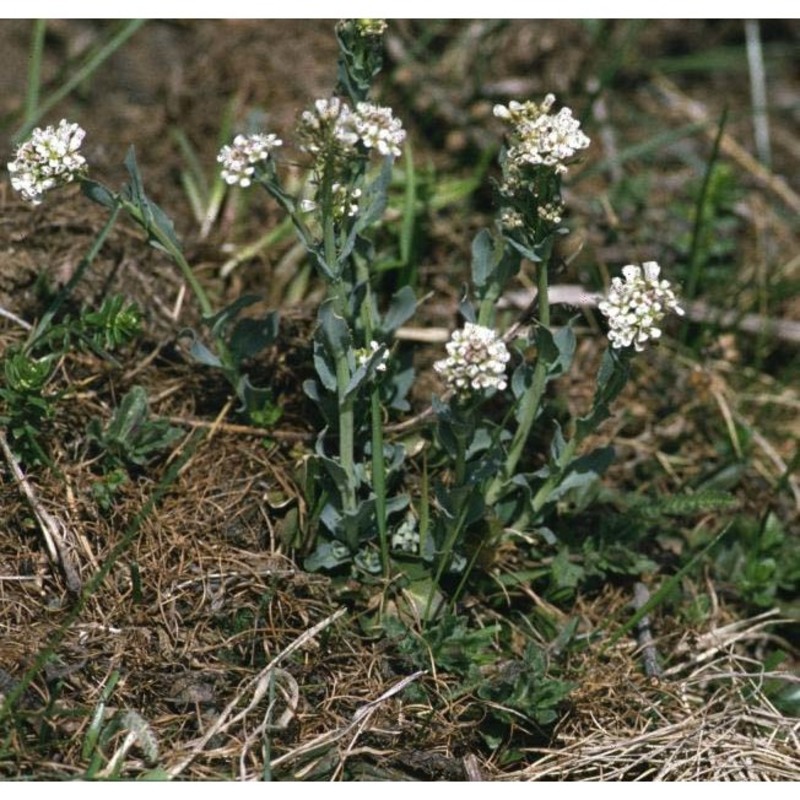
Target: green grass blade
(81, 74)
(35, 70)
(664, 590)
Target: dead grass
(708, 719)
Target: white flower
(539, 137)
(364, 354)
(379, 129)
(333, 127)
(550, 212)
(476, 360)
(345, 203)
(239, 160)
(330, 125)
(406, 538)
(635, 307)
(511, 219)
(47, 160)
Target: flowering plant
(371, 513)
(636, 305)
(48, 159)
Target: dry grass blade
(696, 112)
(359, 720)
(697, 311)
(715, 724)
(258, 686)
(50, 527)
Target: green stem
(379, 475)
(346, 431)
(454, 529)
(68, 288)
(454, 526)
(543, 494)
(35, 70)
(376, 420)
(336, 291)
(531, 400)
(166, 244)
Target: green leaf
(583, 471)
(198, 351)
(558, 443)
(401, 308)
(375, 199)
(365, 371)
(327, 556)
(134, 191)
(532, 254)
(218, 322)
(128, 417)
(611, 379)
(465, 502)
(483, 261)
(335, 331)
(252, 335)
(326, 375)
(151, 217)
(98, 193)
(258, 402)
(557, 349)
(565, 574)
(335, 470)
(131, 436)
(375, 196)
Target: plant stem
(454, 525)
(34, 70)
(336, 291)
(174, 252)
(376, 421)
(543, 494)
(530, 401)
(379, 476)
(68, 288)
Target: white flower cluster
(406, 538)
(635, 307)
(379, 129)
(329, 124)
(239, 160)
(539, 137)
(550, 212)
(476, 360)
(47, 160)
(511, 219)
(334, 125)
(345, 202)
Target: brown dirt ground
(208, 593)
